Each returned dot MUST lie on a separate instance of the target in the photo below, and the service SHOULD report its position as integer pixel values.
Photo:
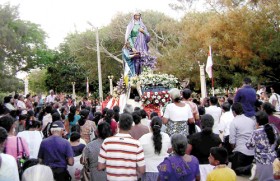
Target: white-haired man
(50, 98)
(56, 152)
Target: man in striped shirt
(121, 155)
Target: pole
(202, 81)
(73, 89)
(87, 88)
(111, 84)
(213, 90)
(26, 85)
(99, 66)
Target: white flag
(209, 63)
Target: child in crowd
(77, 147)
(75, 143)
(219, 158)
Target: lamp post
(202, 80)
(26, 85)
(73, 88)
(98, 62)
(110, 77)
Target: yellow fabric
(221, 174)
(126, 79)
(126, 72)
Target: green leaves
(21, 45)
(20, 41)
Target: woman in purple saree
(179, 166)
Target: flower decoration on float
(149, 79)
(119, 89)
(155, 98)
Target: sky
(60, 17)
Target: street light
(98, 62)
(110, 77)
(202, 80)
(73, 89)
(26, 85)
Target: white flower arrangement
(148, 78)
(149, 98)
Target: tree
(20, 40)
(11, 84)
(244, 36)
(21, 44)
(37, 81)
(63, 71)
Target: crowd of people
(57, 139)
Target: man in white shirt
(48, 117)
(137, 102)
(225, 121)
(215, 112)
(9, 102)
(33, 138)
(50, 98)
(21, 105)
(274, 99)
(144, 120)
(261, 89)
(241, 130)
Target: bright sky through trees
(59, 17)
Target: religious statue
(128, 57)
(138, 37)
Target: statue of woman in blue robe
(128, 57)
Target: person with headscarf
(138, 37)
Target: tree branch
(104, 50)
(161, 38)
(110, 54)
